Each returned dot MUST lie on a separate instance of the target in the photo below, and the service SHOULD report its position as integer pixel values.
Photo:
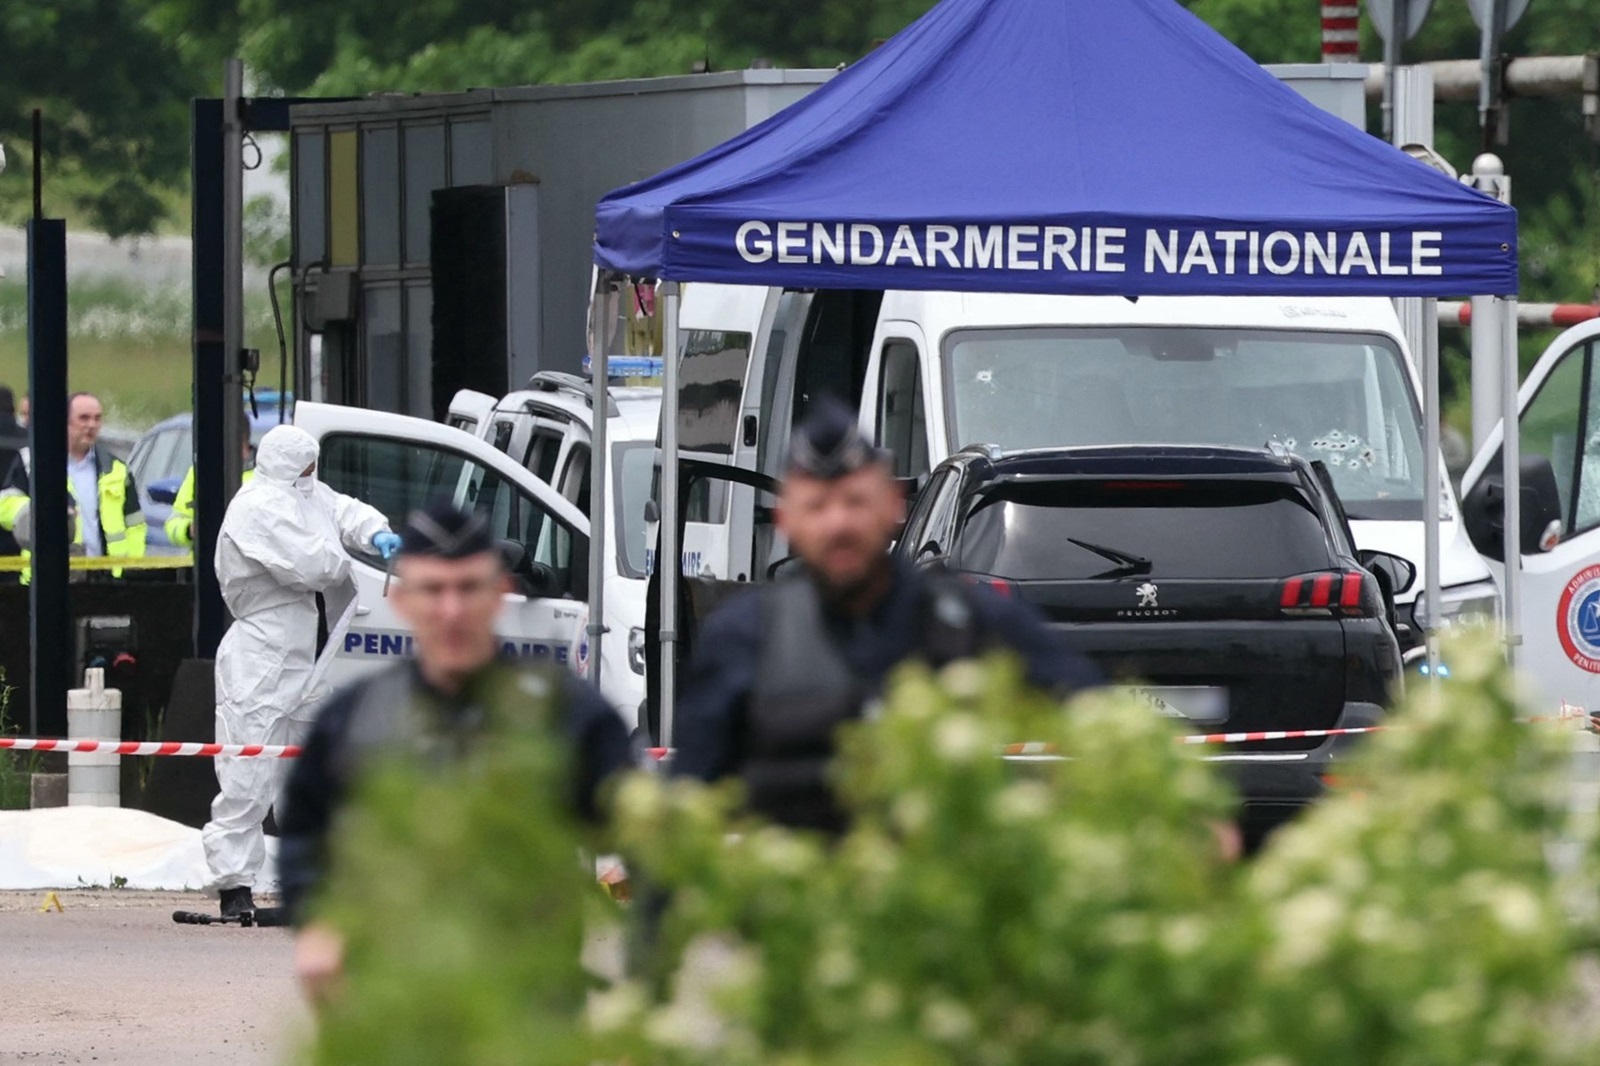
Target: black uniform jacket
(316, 789)
(712, 706)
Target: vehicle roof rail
(988, 451)
(557, 380)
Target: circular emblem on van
(1578, 619)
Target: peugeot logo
(1147, 594)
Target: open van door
(395, 463)
(753, 361)
(469, 411)
(898, 411)
(722, 415)
(1559, 421)
(698, 594)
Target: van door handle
(362, 610)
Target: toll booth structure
(444, 241)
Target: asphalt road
(112, 979)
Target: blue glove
(387, 543)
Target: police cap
(441, 529)
(828, 444)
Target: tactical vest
(122, 523)
(179, 524)
(390, 718)
(805, 690)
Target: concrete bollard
(94, 712)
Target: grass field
(128, 345)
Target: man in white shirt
(105, 500)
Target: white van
(547, 429)
(1559, 418)
(396, 463)
(931, 372)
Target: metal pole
(599, 450)
(38, 163)
(232, 274)
(1525, 76)
(1511, 449)
(1432, 497)
(1488, 175)
(669, 565)
(1412, 112)
(50, 654)
(1488, 49)
(1391, 62)
(210, 616)
(1487, 332)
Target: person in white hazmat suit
(284, 568)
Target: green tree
(114, 90)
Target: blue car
(161, 459)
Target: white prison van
(395, 463)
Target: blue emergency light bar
(628, 366)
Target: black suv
(1223, 582)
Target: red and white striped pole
(1341, 31)
(1539, 316)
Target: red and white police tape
(153, 747)
(1568, 713)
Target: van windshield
(1342, 398)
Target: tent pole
(1511, 475)
(599, 445)
(668, 562)
(1432, 477)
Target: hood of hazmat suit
(286, 542)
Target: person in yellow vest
(180, 526)
(107, 520)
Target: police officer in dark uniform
(458, 688)
(776, 671)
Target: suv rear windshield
(1200, 529)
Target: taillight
(999, 584)
(1324, 594)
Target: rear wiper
(1128, 562)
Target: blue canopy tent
(1057, 146)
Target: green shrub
(16, 767)
(1420, 918)
(464, 908)
(987, 912)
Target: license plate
(1195, 703)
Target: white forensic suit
(284, 541)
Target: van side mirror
(1483, 511)
(164, 491)
(788, 564)
(1395, 575)
(532, 578)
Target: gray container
(363, 177)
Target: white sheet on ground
(69, 847)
